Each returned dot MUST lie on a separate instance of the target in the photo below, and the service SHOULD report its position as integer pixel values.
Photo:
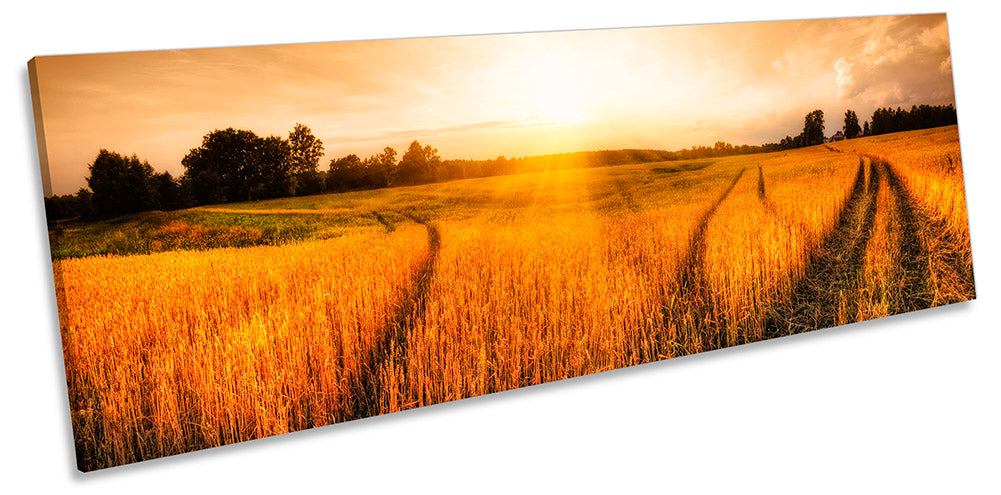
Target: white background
(905, 404)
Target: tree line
(886, 120)
(230, 165)
(234, 165)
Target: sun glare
(556, 93)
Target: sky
(483, 96)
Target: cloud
(946, 66)
(901, 62)
(845, 79)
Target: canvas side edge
(36, 108)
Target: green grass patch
(683, 167)
(156, 231)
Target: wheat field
(426, 294)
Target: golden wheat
(176, 351)
(507, 282)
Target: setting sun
(484, 96)
(556, 93)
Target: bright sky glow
(484, 96)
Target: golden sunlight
(557, 93)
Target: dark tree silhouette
(418, 165)
(237, 165)
(168, 191)
(120, 184)
(276, 169)
(381, 168)
(813, 128)
(61, 207)
(885, 120)
(85, 203)
(221, 167)
(305, 151)
(345, 173)
(851, 128)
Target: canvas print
(258, 240)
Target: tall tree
(382, 167)
(433, 163)
(419, 165)
(345, 172)
(276, 169)
(851, 128)
(813, 128)
(236, 165)
(168, 191)
(305, 151)
(120, 184)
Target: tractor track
(368, 389)
(914, 255)
(827, 294)
(689, 275)
(697, 246)
(761, 185)
(765, 200)
(820, 297)
(390, 227)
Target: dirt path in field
(826, 295)
(690, 277)
(915, 260)
(763, 197)
(369, 388)
(390, 227)
(697, 245)
(938, 267)
(761, 185)
(371, 384)
(829, 293)
(413, 308)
